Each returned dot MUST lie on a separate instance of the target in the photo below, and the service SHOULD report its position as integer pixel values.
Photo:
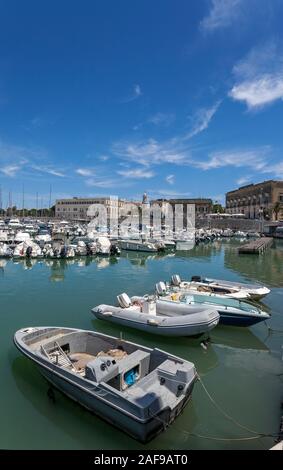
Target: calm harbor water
(241, 368)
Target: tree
(276, 209)
(217, 208)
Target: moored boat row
(138, 389)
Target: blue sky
(121, 97)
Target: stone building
(202, 206)
(257, 201)
(78, 208)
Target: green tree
(276, 209)
(217, 208)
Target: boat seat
(80, 360)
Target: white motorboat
(27, 249)
(103, 246)
(14, 224)
(81, 249)
(205, 288)
(137, 245)
(22, 237)
(236, 289)
(232, 311)
(5, 250)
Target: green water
(242, 368)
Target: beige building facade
(257, 201)
(79, 208)
(202, 206)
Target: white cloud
(103, 158)
(101, 182)
(18, 153)
(84, 172)
(138, 173)
(275, 169)
(167, 193)
(136, 93)
(15, 158)
(137, 90)
(255, 159)
(10, 170)
(222, 13)
(49, 170)
(151, 152)
(243, 180)
(202, 119)
(260, 91)
(162, 119)
(170, 179)
(259, 77)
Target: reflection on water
(240, 338)
(240, 366)
(266, 268)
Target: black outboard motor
(196, 279)
(63, 252)
(115, 250)
(28, 251)
(88, 250)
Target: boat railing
(58, 353)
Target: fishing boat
(232, 311)
(137, 389)
(253, 291)
(154, 316)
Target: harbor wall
(233, 224)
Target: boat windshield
(226, 302)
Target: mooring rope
(230, 418)
(258, 435)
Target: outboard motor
(124, 300)
(29, 251)
(160, 288)
(196, 279)
(115, 250)
(63, 252)
(176, 280)
(56, 252)
(88, 250)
